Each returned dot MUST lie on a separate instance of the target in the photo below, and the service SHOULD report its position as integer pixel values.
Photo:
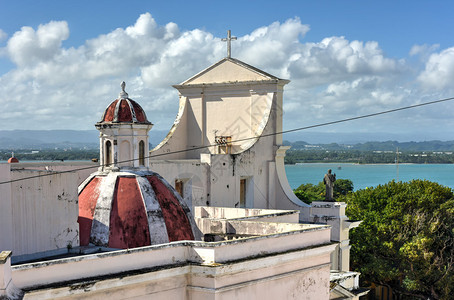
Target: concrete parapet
(333, 213)
(7, 288)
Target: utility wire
(244, 139)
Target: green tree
(406, 239)
(308, 192)
(342, 187)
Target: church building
(225, 147)
(206, 214)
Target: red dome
(13, 160)
(124, 111)
(127, 210)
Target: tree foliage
(52, 155)
(406, 239)
(308, 192)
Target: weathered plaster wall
(82, 169)
(44, 211)
(264, 215)
(6, 213)
(296, 283)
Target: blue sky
(344, 58)
(397, 25)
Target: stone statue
(328, 180)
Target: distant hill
(314, 137)
(89, 139)
(377, 146)
(51, 139)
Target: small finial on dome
(123, 94)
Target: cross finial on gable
(229, 39)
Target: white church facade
(224, 148)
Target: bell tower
(123, 135)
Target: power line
(245, 139)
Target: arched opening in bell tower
(141, 153)
(108, 161)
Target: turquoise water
(370, 175)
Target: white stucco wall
(6, 212)
(193, 173)
(40, 213)
(82, 169)
(44, 211)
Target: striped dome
(124, 110)
(128, 209)
(13, 159)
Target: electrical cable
(244, 139)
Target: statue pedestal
(333, 213)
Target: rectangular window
(179, 187)
(243, 193)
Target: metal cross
(229, 39)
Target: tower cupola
(123, 134)
(124, 204)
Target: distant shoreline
(368, 164)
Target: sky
(62, 62)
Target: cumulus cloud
(56, 84)
(28, 46)
(181, 58)
(439, 71)
(57, 87)
(336, 58)
(272, 45)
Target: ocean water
(370, 175)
